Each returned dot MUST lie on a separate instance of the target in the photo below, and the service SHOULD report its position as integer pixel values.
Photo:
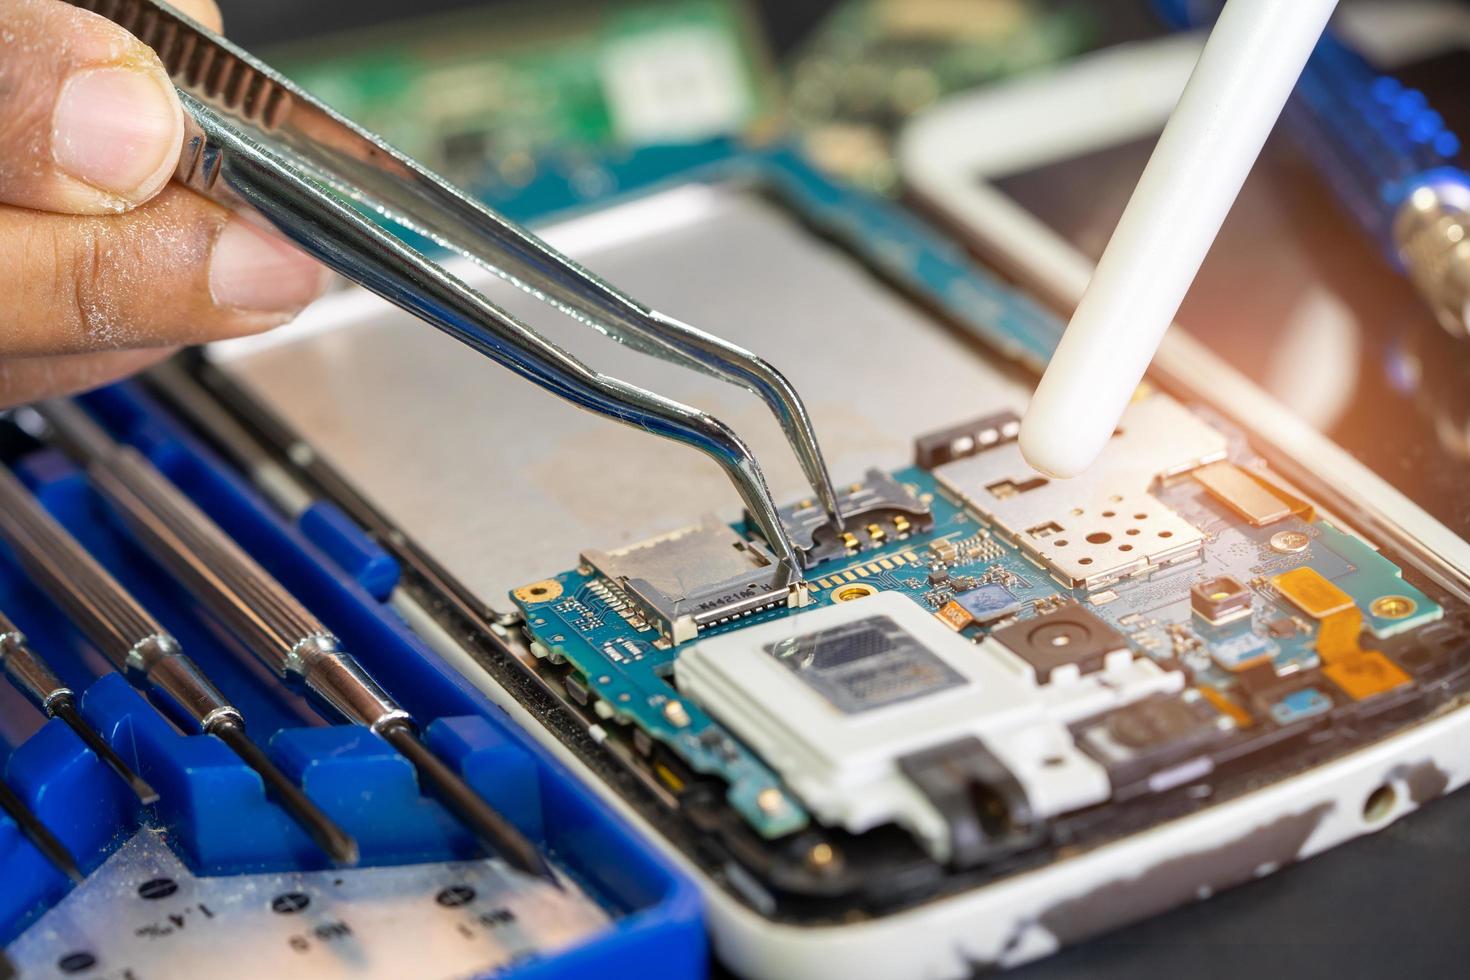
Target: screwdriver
(30, 674)
(35, 831)
(143, 651)
(281, 632)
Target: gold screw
(1392, 606)
(1289, 542)
(822, 857)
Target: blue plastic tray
(213, 808)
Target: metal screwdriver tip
(493, 830)
(66, 709)
(45, 841)
(340, 847)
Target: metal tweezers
(259, 145)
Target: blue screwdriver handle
(1387, 156)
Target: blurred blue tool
(1388, 157)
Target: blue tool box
(213, 810)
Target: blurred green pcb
(873, 63)
(501, 85)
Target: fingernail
(118, 129)
(251, 270)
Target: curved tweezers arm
(228, 164)
(256, 142)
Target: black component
(577, 689)
(980, 799)
(876, 510)
(1434, 654)
(966, 439)
(938, 575)
(1160, 742)
(1069, 636)
(501, 836)
(1220, 599)
(35, 831)
(1282, 629)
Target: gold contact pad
(1308, 590)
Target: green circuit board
(576, 618)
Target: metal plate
(501, 481)
(144, 914)
(1105, 524)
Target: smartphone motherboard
(988, 659)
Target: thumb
(89, 122)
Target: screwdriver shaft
(65, 708)
(35, 831)
(37, 681)
(493, 830)
(142, 650)
(331, 838)
(272, 624)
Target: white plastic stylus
(1238, 88)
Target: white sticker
(683, 83)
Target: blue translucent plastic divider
(218, 817)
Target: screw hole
(1062, 543)
(1084, 561)
(1099, 537)
(1380, 803)
(1108, 513)
(1166, 534)
(1125, 547)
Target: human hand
(106, 265)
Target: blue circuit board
(574, 618)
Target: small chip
(989, 603)
(1282, 629)
(945, 551)
(953, 615)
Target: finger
(28, 379)
(89, 122)
(177, 270)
